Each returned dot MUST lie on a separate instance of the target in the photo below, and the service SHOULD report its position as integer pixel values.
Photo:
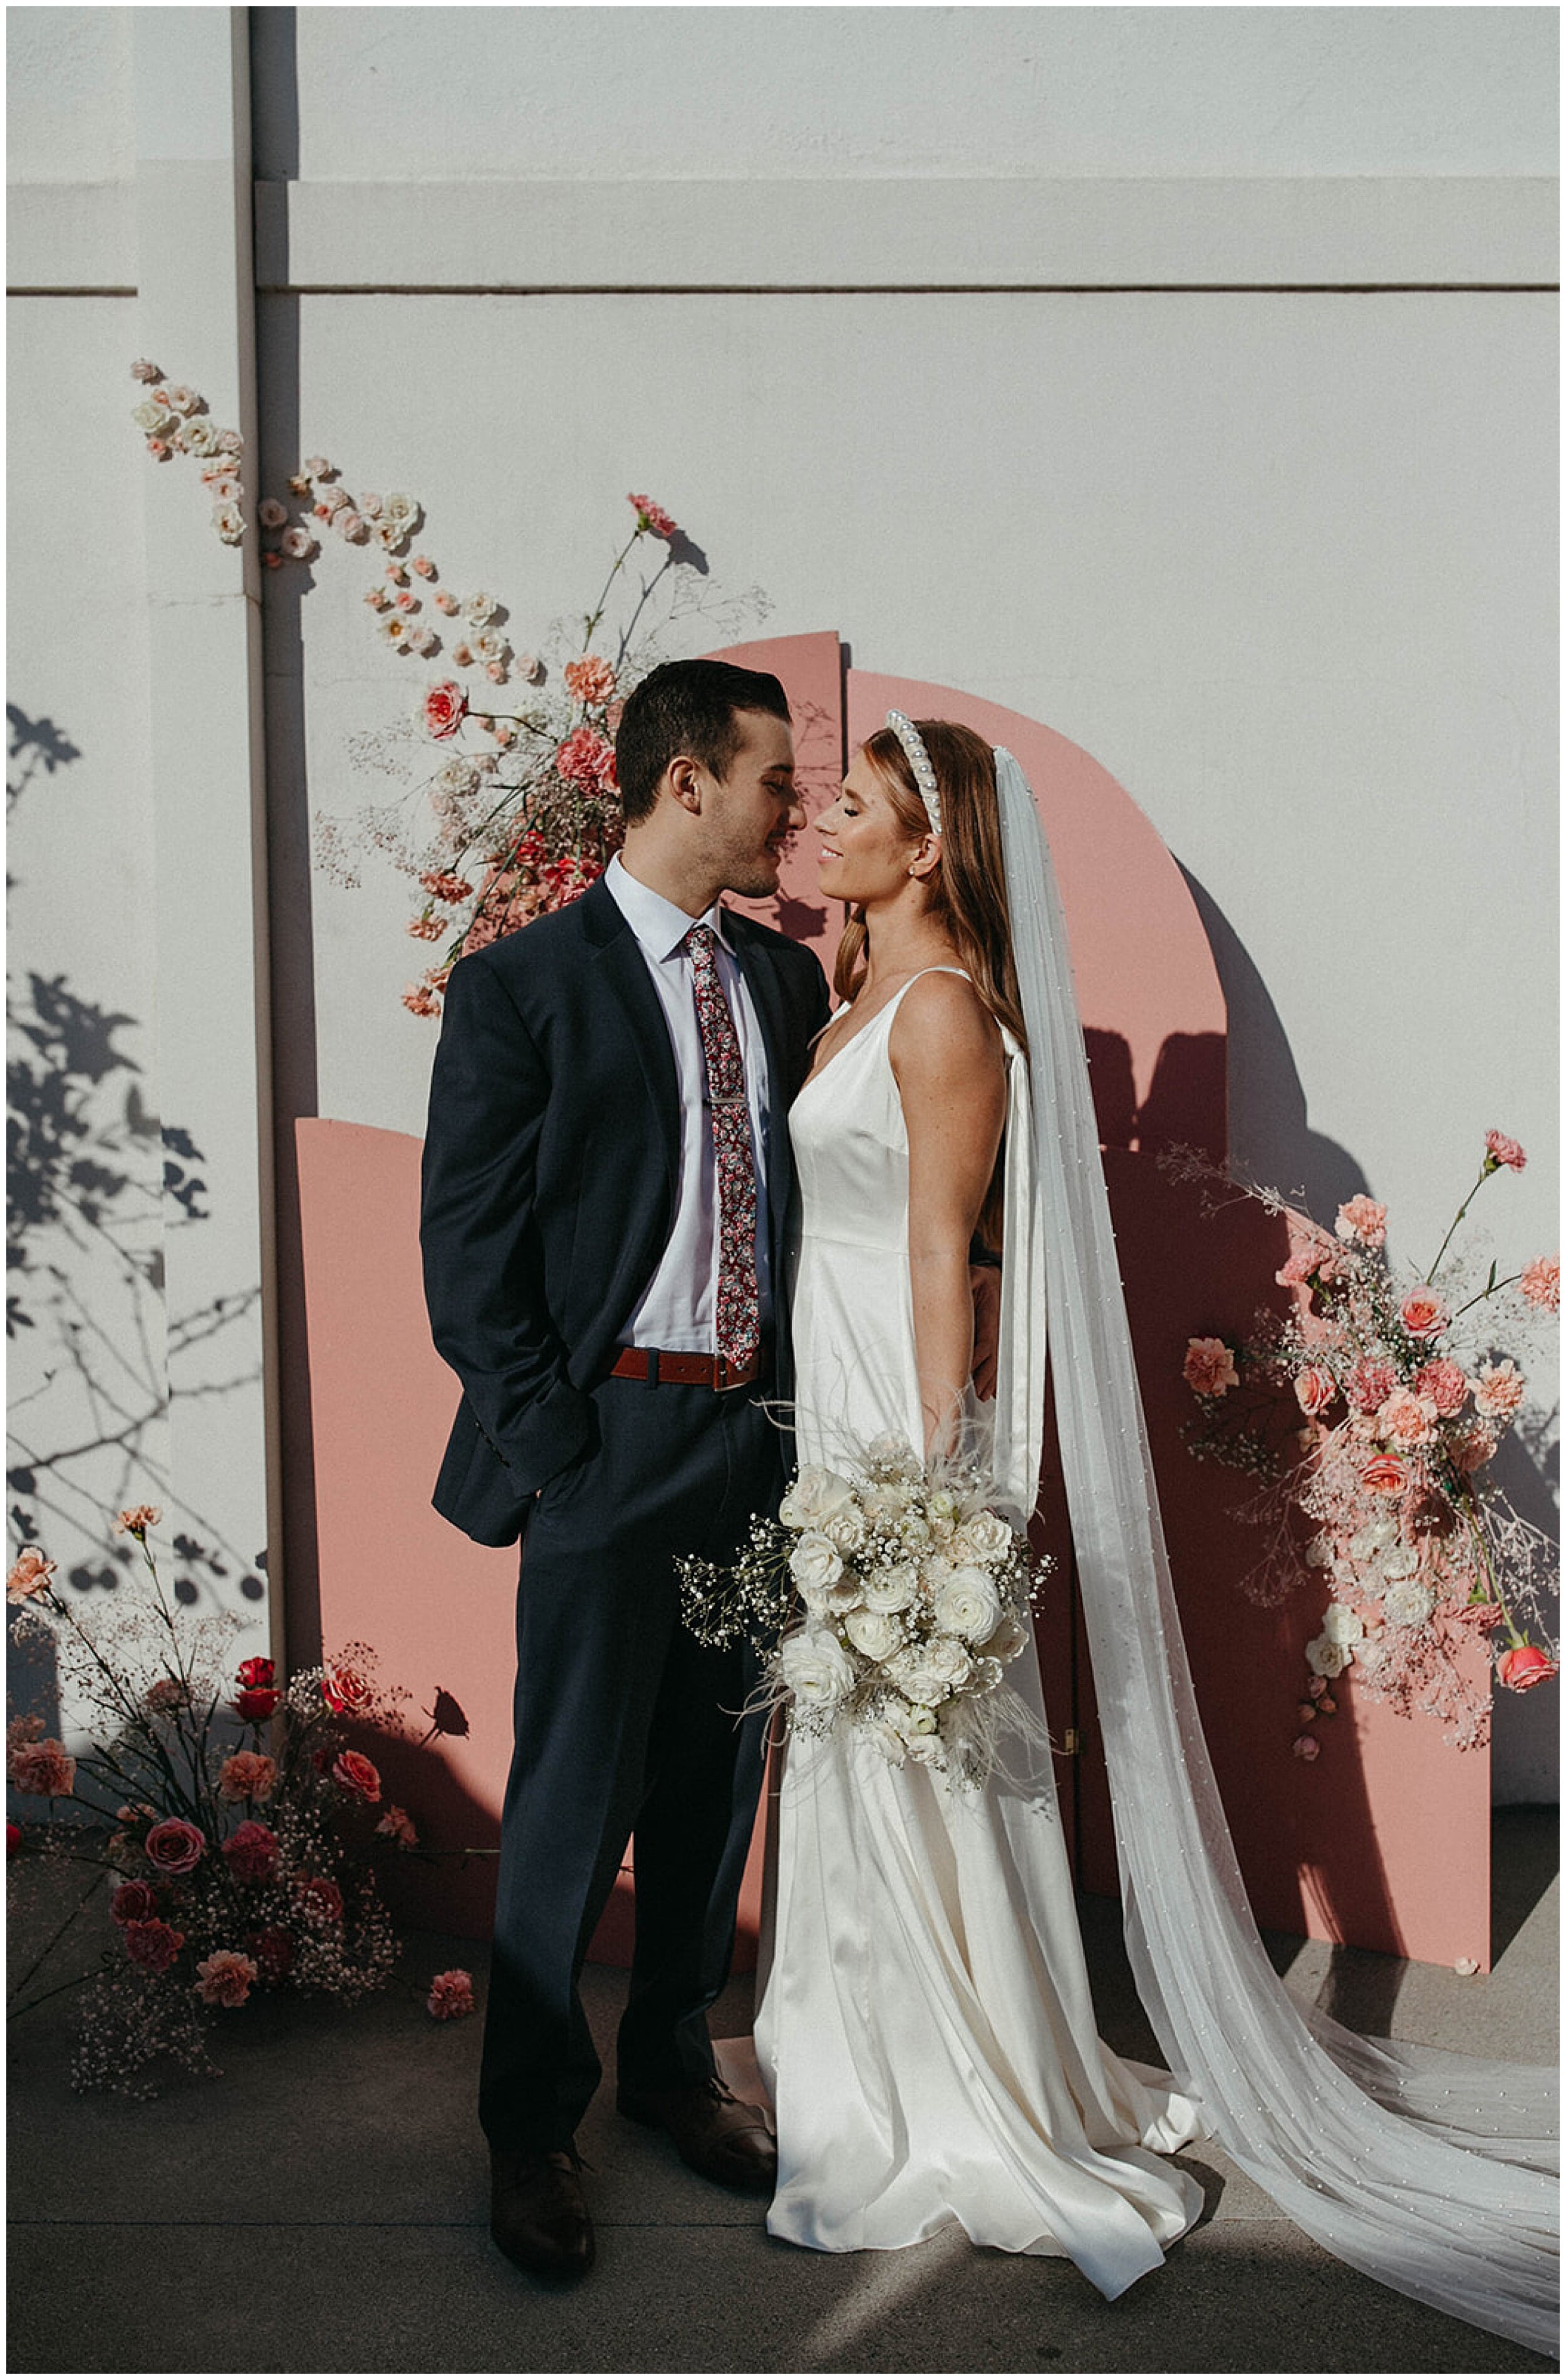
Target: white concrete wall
(1195, 453)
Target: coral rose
(1209, 1367)
(44, 1768)
(174, 1846)
(31, 1574)
(251, 1851)
(247, 1777)
(133, 1902)
(451, 1994)
(1444, 1383)
(356, 1776)
(591, 679)
(1498, 1390)
(1501, 1150)
(152, 1945)
(1364, 1219)
(1385, 1475)
(1525, 1666)
(1423, 1312)
(1540, 1283)
(226, 1978)
(1315, 1388)
(345, 1690)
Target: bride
(926, 2028)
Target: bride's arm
(946, 1053)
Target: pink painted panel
(811, 669)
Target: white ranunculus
(815, 1562)
(877, 1635)
(914, 1674)
(812, 1496)
(968, 1605)
(890, 1588)
(815, 1668)
(988, 1536)
(1327, 1658)
(1007, 1641)
(949, 1659)
(1341, 1625)
(1407, 1604)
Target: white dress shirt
(678, 1311)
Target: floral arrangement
(1406, 1400)
(518, 813)
(239, 1853)
(915, 1598)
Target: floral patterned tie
(739, 1318)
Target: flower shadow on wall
(92, 1339)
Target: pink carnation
(152, 1945)
(586, 760)
(251, 1851)
(1423, 1312)
(1498, 1390)
(31, 1574)
(1209, 1367)
(1312, 1252)
(1370, 1384)
(137, 1519)
(1444, 1383)
(247, 1777)
(1503, 1151)
(591, 679)
(652, 516)
(1364, 1219)
(1407, 1419)
(226, 1978)
(451, 1994)
(1540, 1283)
(46, 1768)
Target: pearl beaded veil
(1431, 2173)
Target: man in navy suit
(606, 1183)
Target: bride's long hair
(967, 891)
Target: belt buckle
(721, 1367)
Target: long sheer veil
(1431, 2173)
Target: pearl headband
(909, 735)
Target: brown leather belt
(657, 1366)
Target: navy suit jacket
(550, 1165)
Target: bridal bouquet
(1404, 1398)
(224, 1811)
(916, 1596)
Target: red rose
(345, 1690)
(1525, 1666)
(174, 1846)
(151, 1946)
(358, 1776)
(256, 1703)
(445, 706)
(133, 1903)
(13, 1837)
(258, 1672)
(272, 1950)
(251, 1851)
(318, 1897)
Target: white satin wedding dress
(926, 2028)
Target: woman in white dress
(926, 2027)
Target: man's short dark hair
(690, 708)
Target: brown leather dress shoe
(537, 2215)
(716, 2134)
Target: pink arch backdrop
(1383, 1842)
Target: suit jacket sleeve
(483, 1269)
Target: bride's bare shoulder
(943, 1027)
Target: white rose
(845, 1527)
(988, 1538)
(1407, 1604)
(480, 608)
(913, 1674)
(393, 534)
(489, 648)
(816, 1493)
(229, 523)
(151, 416)
(915, 1530)
(910, 1720)
(877, 1635)
(199, 437)
(815, 1562)
(1327, 1659)
(272, 513)
(891, 1588)
(968, 1605)
(816, 1667)
(1341, 1626)
(948, 1660)
(1007, 1641)
(371, 504)
(399, 507)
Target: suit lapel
(761, 982)
(620, 957)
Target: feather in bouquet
(1406, 1399)
(916, 1596)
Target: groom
(606, 1181)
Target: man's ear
(683, 777)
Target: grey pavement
(321, 2208)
